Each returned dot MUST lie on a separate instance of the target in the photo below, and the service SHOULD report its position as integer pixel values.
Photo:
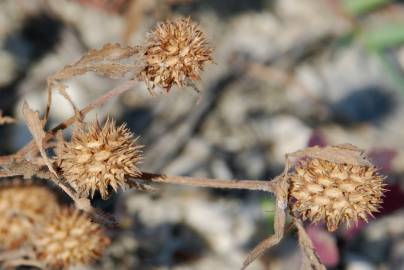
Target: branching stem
(95, 104)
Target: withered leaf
(106, 62)
(341, 154)
(35, 126)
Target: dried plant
(22, 209)
(335, 193)
(335, 184)
(176, 52)
(98, 157)
(70, 238)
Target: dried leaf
(341, 154)
(35, 126)
(105, 61)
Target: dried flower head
(23, 208)
(335, 193)
(175, 54)
(71, 238)
(98, 157)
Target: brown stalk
(267, 186)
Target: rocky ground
(288, 74)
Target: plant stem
(267, 186)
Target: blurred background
(288, 74)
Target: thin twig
(96, 103)
(280, 188)
(310, 258)
(267, 186)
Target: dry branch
(267, 186)
(51, 134)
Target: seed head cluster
(70, 239)
(334, 193)
(175, 54)
(23, 209)
(98, 158)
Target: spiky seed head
(176, 52)
(336, 194)
(22, 209)
(98, 158)
(71, 238)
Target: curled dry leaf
(107, 61)
(341, 154)
(35, 126)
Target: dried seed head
(70, 239)
(23, 208)
(98, 157)
(334, 193)
(175, 54)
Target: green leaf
(385, 36)
(359, 7)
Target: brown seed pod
(98, 157)
(71, 238)
(175, 54)
(335, 193)
(22, 209)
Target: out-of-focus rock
(87, 19)
(307, 19)
(286, 133)
(355, 262)
(225, 224)
(397, 254)
(378, 235)
(194, 155)
(253, 35)
(7, 67)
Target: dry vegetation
(336, 185)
